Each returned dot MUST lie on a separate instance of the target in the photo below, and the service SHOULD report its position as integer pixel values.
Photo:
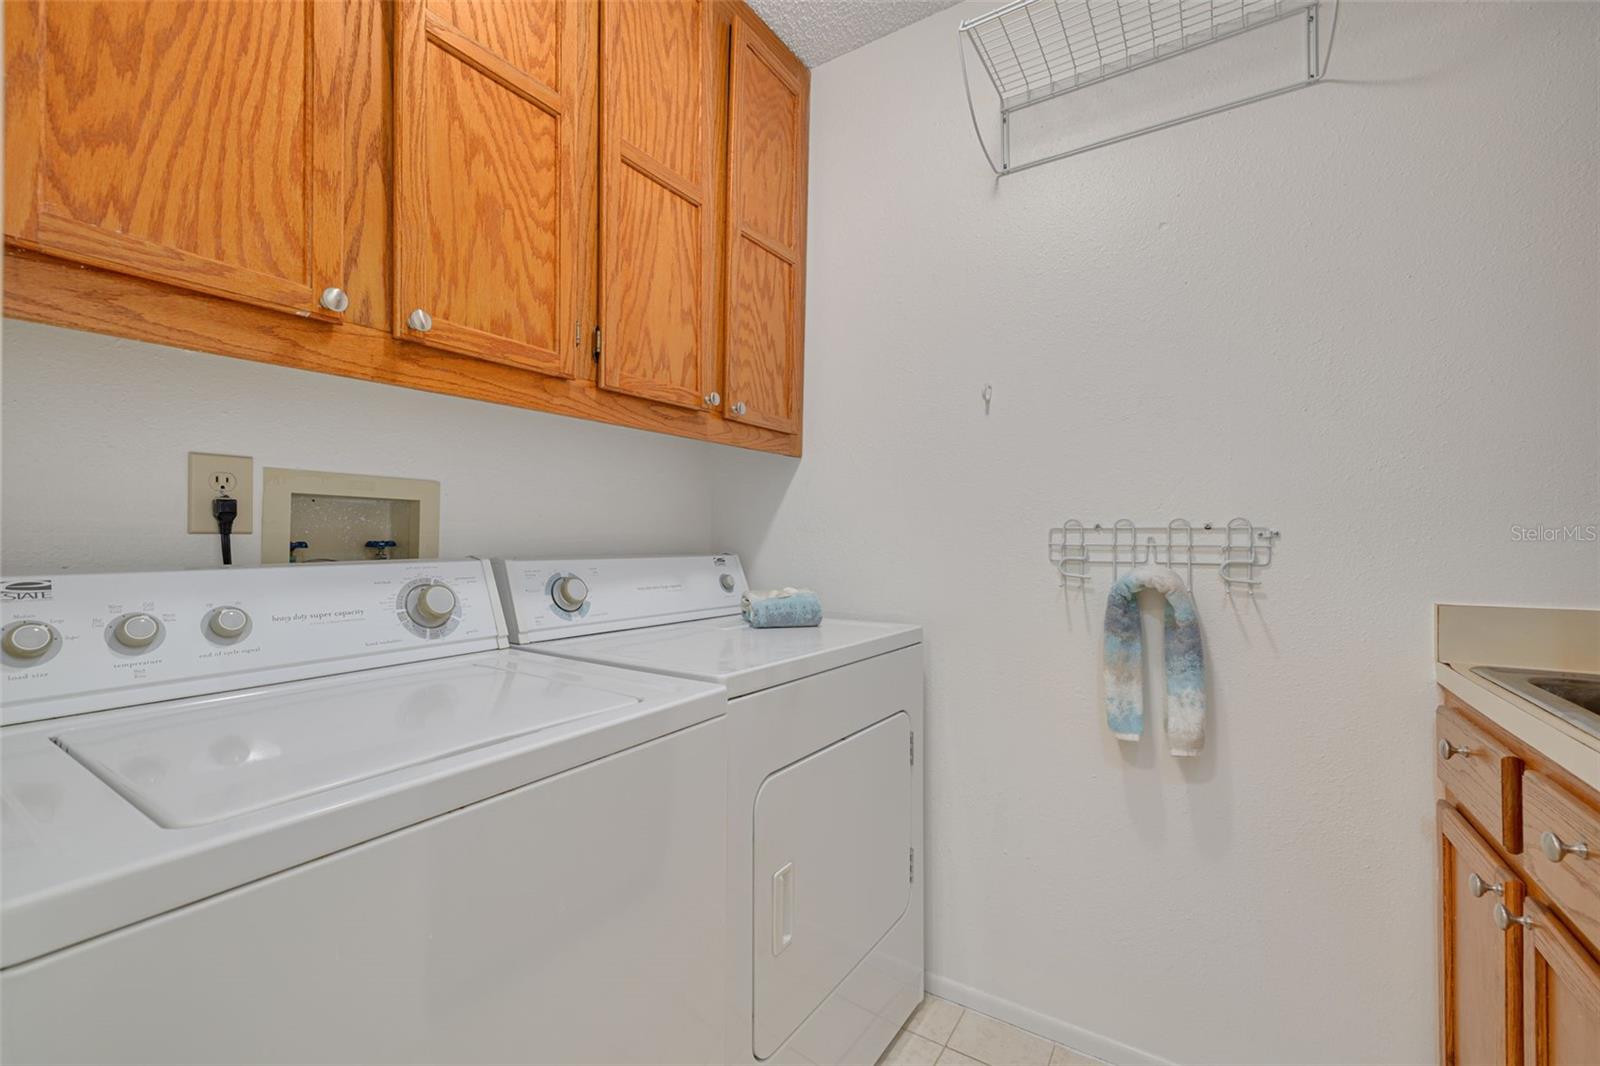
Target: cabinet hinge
(597, 344)
(911, 867)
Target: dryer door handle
(783, 909)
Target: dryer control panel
(71, 643)
(547, 599)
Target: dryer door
(832, 870)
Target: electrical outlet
(211, 476)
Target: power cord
(225, 509)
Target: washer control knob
(228, 622)
(136, 631)
(569, 593)
(432, 605)
(727, 582)
(28, 640)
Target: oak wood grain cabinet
(589, 207)
(494, 166)
(1519, 969)
(657, 175)
(768, 108)
(1480, 963)
(201, 145)
(1562, 982)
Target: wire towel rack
(1239, 550)
(1038, 50)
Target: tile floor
(947, 1034)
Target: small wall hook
(988, 394)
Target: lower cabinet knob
(1504, 919)
(738, 408)
(420, 320)
(1478, 886)
(713, 399)
(334, 299)
(1448, 751)
(1555, 849)
(28, 640)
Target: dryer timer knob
(569, 593)
(432, 605)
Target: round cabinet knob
(228, 622)
(1555, 849)
(334, 299)
(137, 631)
(28, 640)
(727, 582)
(1503, 919)
(420, 320)
(433, 606)
(569, 593)
(738, 408)
(1448, 751)
(1478, 886)
(713, 399)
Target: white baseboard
(1064, 1033)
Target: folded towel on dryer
(781, 608)
(1185, 660)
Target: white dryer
(322, 814)
(825, 889)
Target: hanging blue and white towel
(1186, 665)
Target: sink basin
(1571, 697)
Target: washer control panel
(546, 599)
(71, 643)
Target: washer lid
(731, 653)
(246, 753)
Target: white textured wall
(97, 433)
(1366, 314)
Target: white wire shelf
(1038, 50)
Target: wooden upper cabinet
(1563, 994)
(494, 162)
(198, 144)
(764, 311)
(657, 177)
(1481, 966)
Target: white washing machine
(322, 814)
(824, 787)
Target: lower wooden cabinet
(1480, 964)
(1519, 979)
(1562, 992)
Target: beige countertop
(1467, 636)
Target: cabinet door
(1481, 966)
(656, 213)
(195, 144)
(1563, 995)
(768, 100)
(494, 216)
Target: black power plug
(225, 509)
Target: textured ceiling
(819, 30)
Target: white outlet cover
(204, 468)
